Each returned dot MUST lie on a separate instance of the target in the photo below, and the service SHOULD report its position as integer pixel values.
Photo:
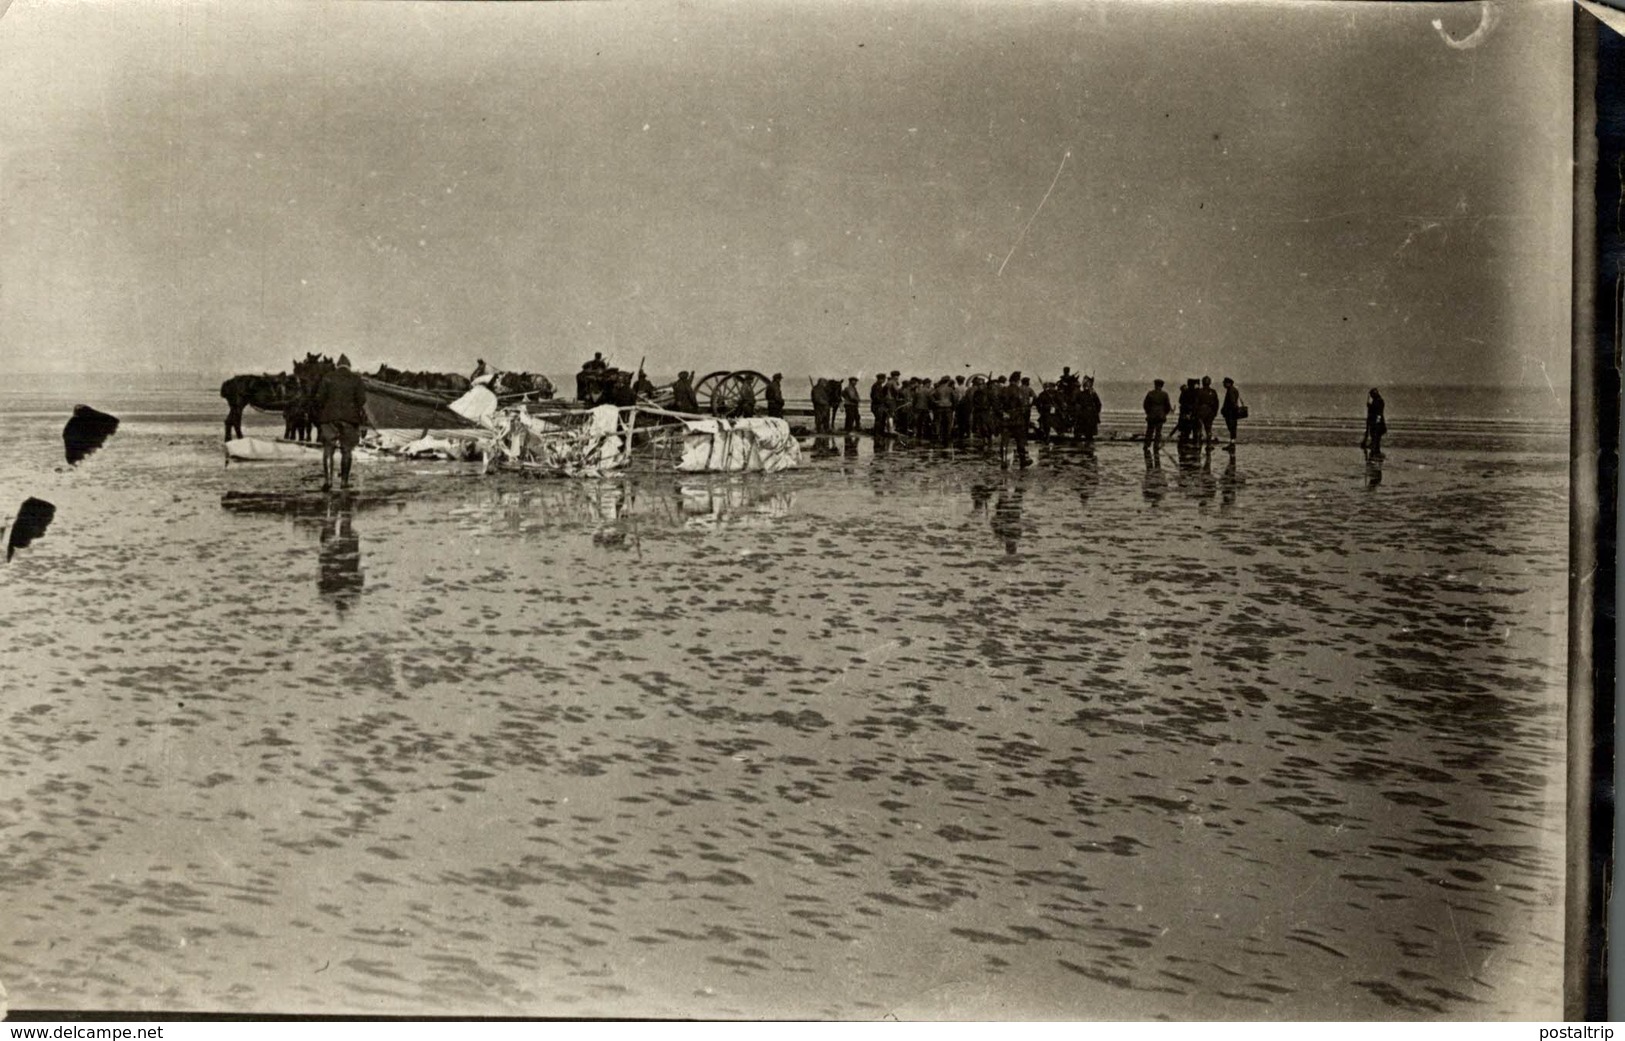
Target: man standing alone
(341, 402)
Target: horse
(300, 412)
(526, 383)
(264, 392)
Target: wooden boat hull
(397, 408)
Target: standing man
(1376, 422)
(1207, 407)
(1018, 396)
(1187, 411)
(942, 409)
(1157, 407)
(1046, 402)
(341, 410)
(894, 400)
(775, 396)
(682, 395)
(1088, 410)
(851, 398)
(822, 420)
(878, 402)
(1232, 410)
(923, 426)
(747, 397)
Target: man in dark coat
(1018, 404)
(341, 411)
(1207, 407)
(747, 397)
(1088, 410)
(775, 396)
(1047, 401)
(1187, 411)
(821, 406)
(1157, 407)
(682, 395)
(1232, 410)
(851, 398)
(942, 410)
(879, 404)
(1376, 422)
(592, 383)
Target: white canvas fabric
(760, 443)
(479, 405)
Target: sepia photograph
(893, 509)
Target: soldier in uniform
(852, 397)
(1157, 406)
(1047, 401)
(1207, 407)
(903, 405)
(1018, 401)
(1186, 424)
(879, 401)
(1376, 424)
(942, 410)
(775, 395)
(821, 406)
(747, 397)
(682, 394)
(1232, 410)
(1088, 410)
(341, 404)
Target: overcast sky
(1324, 191)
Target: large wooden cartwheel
(723, 393)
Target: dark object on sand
(32, 519)
(87, 431)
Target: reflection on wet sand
(810, 756)
(630, 506)
(1191, 459)
(1155, 485)
(981, 492)
(340, 578)
(1088, 472)
(1373, 468)
(1006, 520)
(307, 508)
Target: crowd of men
(1199, 406)
(955, 409)
(982, 407)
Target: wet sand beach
(1270, 735)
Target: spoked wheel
(725, 393)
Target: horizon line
(222, 373)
